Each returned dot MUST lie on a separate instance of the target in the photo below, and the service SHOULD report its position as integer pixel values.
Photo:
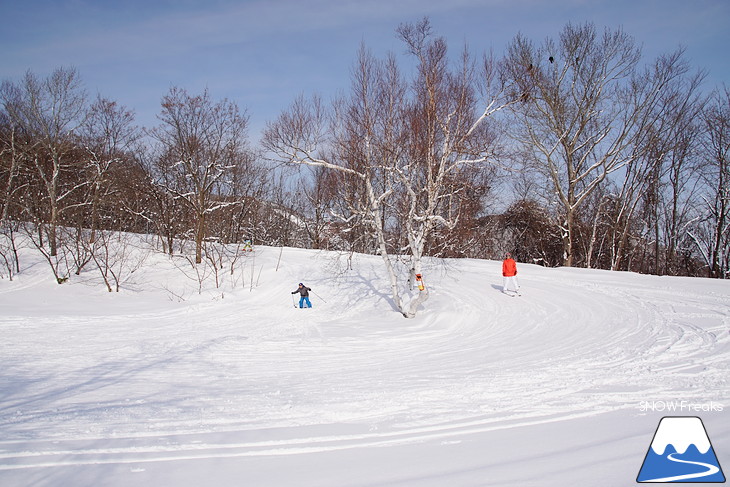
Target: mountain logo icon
(681, 452)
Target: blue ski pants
(304, 299)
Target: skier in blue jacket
(304, 295)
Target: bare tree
(11, 187)
(711, 233)
(400, 148)
(448, 135)
(314, 199)
(658, 182)
(49, 111)
(248, 187)
(585, 105)
(117, 256)
(11, 162)
(108, 137)
(162, 210)
(201, 142)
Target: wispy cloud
(262, 53)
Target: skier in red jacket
(509, 272)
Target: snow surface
(169, 383)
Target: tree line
(574, 151)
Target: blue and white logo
(681, 452)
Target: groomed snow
(165, 384)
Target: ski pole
(320, 297)
(292, 301)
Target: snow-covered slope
(174, 383)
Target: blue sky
(262, 54)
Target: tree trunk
(568, 239)
(199, 237)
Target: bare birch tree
(585, 105)
(48, 111)
(11, 162)
(399, 146)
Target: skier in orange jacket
(509, 272)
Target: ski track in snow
(179, 382)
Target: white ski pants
(511, 280)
